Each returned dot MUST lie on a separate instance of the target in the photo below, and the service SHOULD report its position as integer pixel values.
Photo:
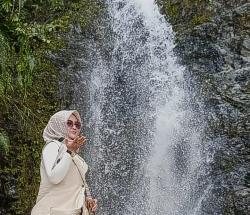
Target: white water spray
(147, 144)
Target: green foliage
(29, 29)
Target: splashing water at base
(147, 141)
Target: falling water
(146, 148)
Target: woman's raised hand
(75, 144)
(91, 204)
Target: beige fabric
(57, 125)
(66, 197)
(54, 211)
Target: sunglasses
(70, 124)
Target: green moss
(228, 165)
(172, 10)
(187, 13)
(198, 20)
(4, 143)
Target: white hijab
(57, 125)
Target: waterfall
(146, 146)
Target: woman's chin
(72, 136)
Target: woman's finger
(94, 206)
(94, 209)
(81, 141)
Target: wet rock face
(213, 41)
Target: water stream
(147, 147)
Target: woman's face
(73, 126)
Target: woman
(63, 188)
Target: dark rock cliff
(213, 42)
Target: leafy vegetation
(29, 30)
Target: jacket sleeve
(55, 173)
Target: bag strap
(79, 171)
(88, 194)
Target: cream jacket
(62, 186)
